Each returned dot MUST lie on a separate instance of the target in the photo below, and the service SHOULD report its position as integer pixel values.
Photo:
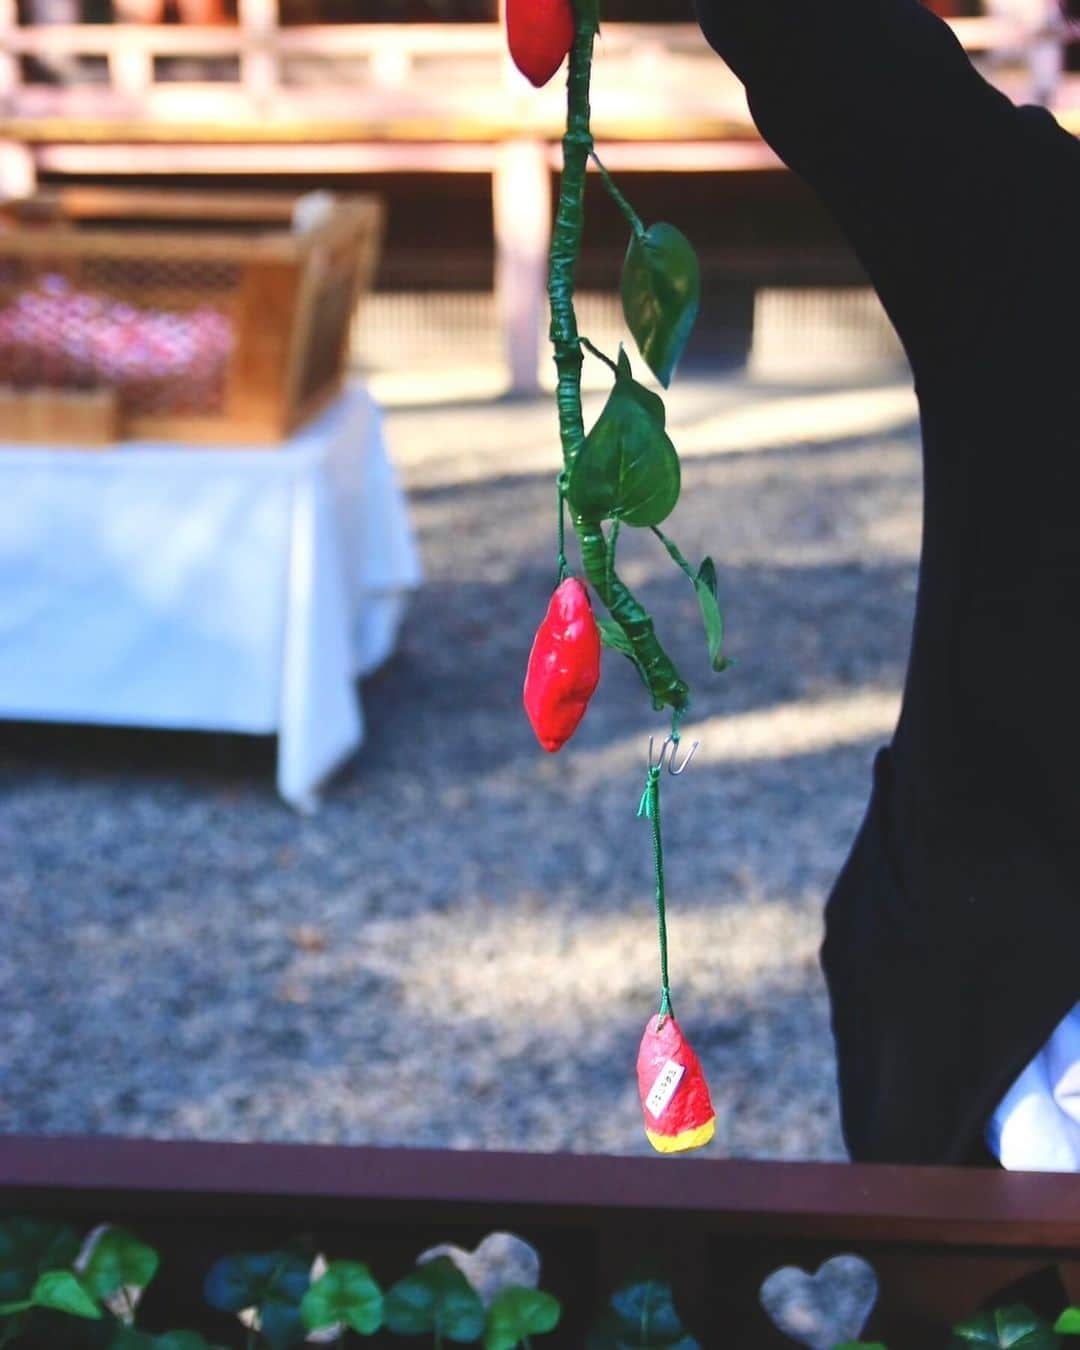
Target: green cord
(560, 557)
(650, 808)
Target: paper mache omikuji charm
(674, 1095)
(622, 473)
(539, 34)
(564, 666)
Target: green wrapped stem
(665, 685)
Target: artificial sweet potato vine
(624, 472)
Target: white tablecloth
(239, 590)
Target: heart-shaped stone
(499, 1262)
(824, 1309)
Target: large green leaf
(118, 1260)
(61, 1290)
(642, 1316)
(1068, 1324)
(1012, 1328)
(661, 290)
(274, 1283)
(436, 1297)
(28, 1247)
(627, 469)
(345, 1295)
(706, 588)
(517, 1312)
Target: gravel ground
(459, 948)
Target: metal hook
(671, 743)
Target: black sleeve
(876, 105)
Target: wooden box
(206, 317)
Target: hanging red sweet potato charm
(564, 665)
(674, 1095)
(540, 34)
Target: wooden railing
(941, 1240)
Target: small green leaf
(1068, 1324)
(273, 1282)
(435, 1298)
(28, 1247)
(705, 587)
(118, 1259)
(642, 1316)
(61, 1290)
(346, 1294)
(516, 1313)
(661, 290)
(1012, 1328)
(628, 468)
(613, 637)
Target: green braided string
(649, 807)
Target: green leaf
(642, 1316)
(706, 586)
(60, 1289)
(1013, 1328)
(1068, 1324)
(435, 1298)
(517, 1312)
(628, 468)
(272, 1282)
(661, 290)
(28, 1247)
(118, 1260)
(347, 1294)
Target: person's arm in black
(923, 164)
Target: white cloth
(239, 590)
(1036, 1127)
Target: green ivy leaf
(273, 1282)
(706, 589)
(27, 1248)
(1012, 1328)
(436, 1297)
(1068, 1324)
(61, 1290)
(119, 1259)
(627, 468)
(642, 1316)
(661, 290)
(517, 1312)
(347, 1294)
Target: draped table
(239, 590)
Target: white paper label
(662, 1091)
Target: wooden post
(521, 192)
(18, 176)
(258, 53)
(1046, 56)
(9, 62)
(131, 70)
